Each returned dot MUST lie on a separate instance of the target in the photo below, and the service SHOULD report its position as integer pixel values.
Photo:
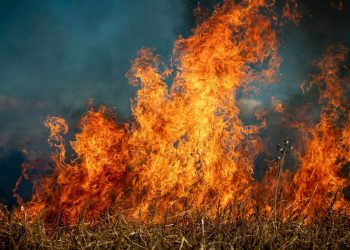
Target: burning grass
(190, 230)
(187, 145)
(187, 149)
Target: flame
(338, 5)
(186, 147)
(317, 186)
(291, 11)
(277, 105)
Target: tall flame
(187, 147)
(317, 186)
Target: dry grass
(187, 231)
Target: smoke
(301, 45)
(61, 53)
(55, 55)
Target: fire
(338, 5)
(317, 186)
(277, 105)
(291, 11)
(187, 147)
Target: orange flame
(277, 105)
(187, 147)
(291, 11)
(317, 186)
(338, 5)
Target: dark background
(56, 54)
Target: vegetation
(185, 231)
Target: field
(186, 231)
